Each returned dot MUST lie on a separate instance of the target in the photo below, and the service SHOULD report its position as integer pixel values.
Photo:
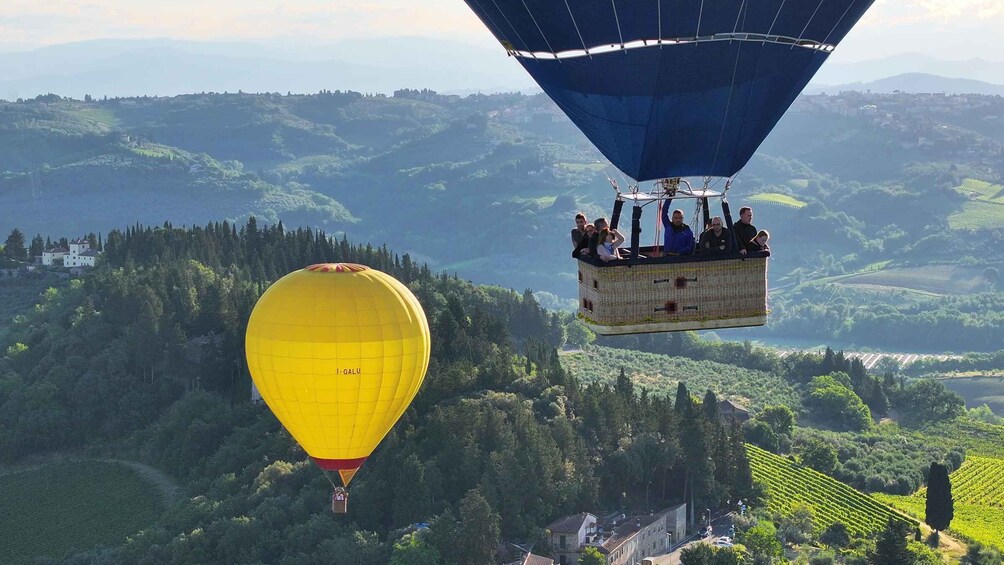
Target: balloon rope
(327, 475)
(728, 106)
(544, 37)
(525, 44)
(658, 226)
(804, 29)
(577, 29)
(509, 47)
(617, 20)
(836, 25)
(776, 16)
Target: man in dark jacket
(716, 241)
(679, 239)
(746, 231)
(579, 231)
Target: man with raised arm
(679, 239)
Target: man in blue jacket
(679, 238)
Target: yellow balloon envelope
(338, 352)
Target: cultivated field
(934, 279)
(978, 488)
(985, 207)
(976, 215)
(72, 507)
(778, 199)
(870, 360)
(789, 483)
(982, 191)
(660, 374)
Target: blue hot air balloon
(668, 89)
(672, 88)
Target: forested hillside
(143, 359)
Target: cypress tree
(624, 386)
(940, 507)
(683, 402)
(891, 548)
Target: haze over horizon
(229, 45)
(952, 29)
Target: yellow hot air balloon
(338, 352)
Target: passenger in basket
(594, 238)
(610, 240)
(716, 241)
(579, 230)
(582, 249)
(745, 231)
(679, 239)
(760, 241)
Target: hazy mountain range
(914, 83)
(167, 67)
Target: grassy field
(978, 489)
(788, 483)
(102, 116)
(976, 215)
(660, 374)
(780, 199)
(985, 207)
(61, 508)
(980, 390)
(982, 191)
(934, 279)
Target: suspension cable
(776, 16)
(577, 29)
(728, 106)
(617, 20)
(700, 16)
(806, 28)
(836, 25)
(527, 45)
(544, 37)
(505, 39)
(659, 15)
(739, 16)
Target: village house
(569, 535)
(54, 256)
(623, 541)
(529, 558)
(80, 254)
(730, 410)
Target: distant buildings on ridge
(79, 254)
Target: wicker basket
(628, 297)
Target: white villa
(54, 256)
(79, 254)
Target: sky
(948, 29)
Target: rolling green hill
(788, 483)
(488, 185)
